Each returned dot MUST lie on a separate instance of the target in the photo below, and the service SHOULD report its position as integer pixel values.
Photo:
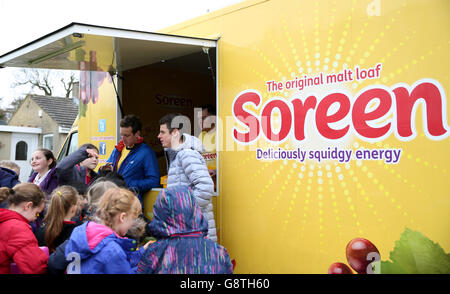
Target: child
(43, 163)
(17, 242)
(57, 262)
(58, 224)
(12, 166)
(82, 201)
(137, 229)
(79, 166)
(182, 247)
(94, 194)
(9, 177)
(99, 248)
(9, 174)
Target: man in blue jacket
(134, 159)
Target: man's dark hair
(132, 121)
(167, 120)
(210, 108)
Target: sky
(23, 21)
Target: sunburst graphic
(309, 205)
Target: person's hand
(212, 172)
(92, 153)
(107, 166)
(148, 244)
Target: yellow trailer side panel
(297, 216)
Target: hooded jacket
(182, 246)
(186, 166)
(57, 262)
(140, 168)
(18, 244)
(65, 233)
(99, 250)
(8, 178)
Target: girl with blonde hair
(97, 190)
(100, 247)
(93, 196)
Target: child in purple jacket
(43, 163)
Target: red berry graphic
(360, 253)
(339, 268)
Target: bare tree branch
(69, 85)
(3, 113)
(35, 78)
(43, 80)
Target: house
(54, 115)
(39, 121)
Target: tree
(43, 80)
(3, 113)
(68, 86)
(11, 109)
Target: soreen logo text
(371, 115)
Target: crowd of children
(91, 223)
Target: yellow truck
(332, 130)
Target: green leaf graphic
(414, 253)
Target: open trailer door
(103, 56)
(126, 72)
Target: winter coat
(102, 251)
(69, 170)
(49, 183)
(18, 244)
(182, 246)
(66, 231)
(186, 166)
(140, 168)
(47, 186)
(8, 178)
(57, 262)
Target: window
(70, 145)
(47, 141)
(73, 143)
(21, 150)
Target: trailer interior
(152, 74)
